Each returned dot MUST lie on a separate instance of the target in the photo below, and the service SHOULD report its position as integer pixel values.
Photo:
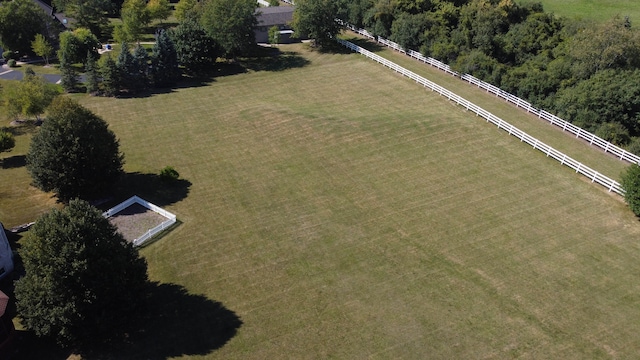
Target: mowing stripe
(591, 174)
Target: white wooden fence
(554, 120)
(591, 174)
(171, 218)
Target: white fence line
(591, 174)
(171, 218)
(542, 114)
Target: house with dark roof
(280, 16)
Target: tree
(164, 61)
(69, 76)
(83, 280)
(90, 14)
(185, 9)
(74, 45)
(274, 35)
(74, 154)
(20, 21)
(125, 64)
(135, 18)
(41, 47)
(159, 9)
(110, 76)
(631, 185)
(91, 74)
(139, 69)
(316, 18)
(230, 23)
(196, 50)
(28, 97)
(7, 141)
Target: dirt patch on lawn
(134, 221)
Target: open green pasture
(341, 211)
(599, 10)
(551, 135)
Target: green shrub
(631, 186)
(634, 146)
(614, 133)
(169, 174)
(7, 55)
(12, 63)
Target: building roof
(274, 15)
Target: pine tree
(165, 70)
(125, 65)
(91, 74)
(110, 76)
(69, 77)
(140, 67)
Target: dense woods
(586, 72)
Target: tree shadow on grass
(15, 161)
(150, 187)
(364, 43)
(175, 323)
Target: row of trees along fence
(542, 114)
(593, 175)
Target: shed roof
(274, 15)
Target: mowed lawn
(341, 211)
(599, 10)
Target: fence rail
(171, 218)
(591, 174)
(542, 114)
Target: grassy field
(599, 10)
(340, 211)
(532, 125)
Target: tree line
(587, 73)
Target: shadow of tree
(278, 61)
(14, 161)
(364, 43)
(175, 323)
(150, 187)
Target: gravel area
(133, 221)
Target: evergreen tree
(91, 74)
(110, 76)
(164, 59)
(125, 65)
(69, 77)
(139, 68)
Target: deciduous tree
(42, 47)
(135, 18)
(185, 9)
(230, 23)
(20, 21)
(74, 154)
(196, 50)
(159, 9)
(28, 97)
(316, 18)
(83, 280)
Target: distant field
(599, 10)
(343, 212)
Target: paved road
(9, 74)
